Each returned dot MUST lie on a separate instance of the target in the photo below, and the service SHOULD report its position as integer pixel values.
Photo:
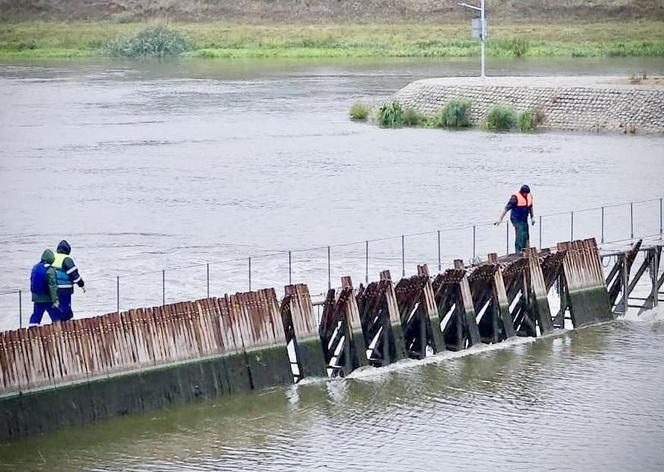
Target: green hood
(48, 256)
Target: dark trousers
(40, 308)
(521, 235)
(64, 297)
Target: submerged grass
(404, 39)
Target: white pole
(483, 36)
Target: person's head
(64, 247)
(525, 189)
(48, 256)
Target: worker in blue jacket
(66, 274)
(520, 207)
(44, 289)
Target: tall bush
(391, 115)
(455, 113)
(526, 121)
(500, 117)
(152, 41)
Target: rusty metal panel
(301, 310)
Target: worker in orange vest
(520, 206)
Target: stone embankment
(564, 103)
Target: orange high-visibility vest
(522, 201)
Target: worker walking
(67, 275)
(520, 206)
(44, 289)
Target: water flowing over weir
(89, 369)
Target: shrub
(359, 111)
(500, 117)
(390, 115)
(411, 117)
(519, 46)
(26, 45)
(152, 41)
(455, 113)
(526, 121)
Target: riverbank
(561, 103)
(619, 38)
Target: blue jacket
(43, 281)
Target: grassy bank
(407, 39)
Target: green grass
(526, 121)
(411, 117)
(391, 115)
(305, 40)
(359, 111)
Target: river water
(145, 166)
(582, 400)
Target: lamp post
(483, 30)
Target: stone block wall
(571, 108)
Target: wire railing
(611, 223)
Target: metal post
(403, 255)
(660, 218)
(250, 274)
(207, 277)
(631, 221)
(366, 262)
(117, 292)
(625, 283)
(540, 231)
(571, 227)
(483, 37)
(602, 225)
(290, 280)
(20, 309)
(653, 274)
(329, 270)
(440, 266)
(474, 232)
(163, 287)
(481, 10)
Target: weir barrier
(131, 361)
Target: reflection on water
(579, 400)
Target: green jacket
(52, 296)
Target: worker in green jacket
(44, 288)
